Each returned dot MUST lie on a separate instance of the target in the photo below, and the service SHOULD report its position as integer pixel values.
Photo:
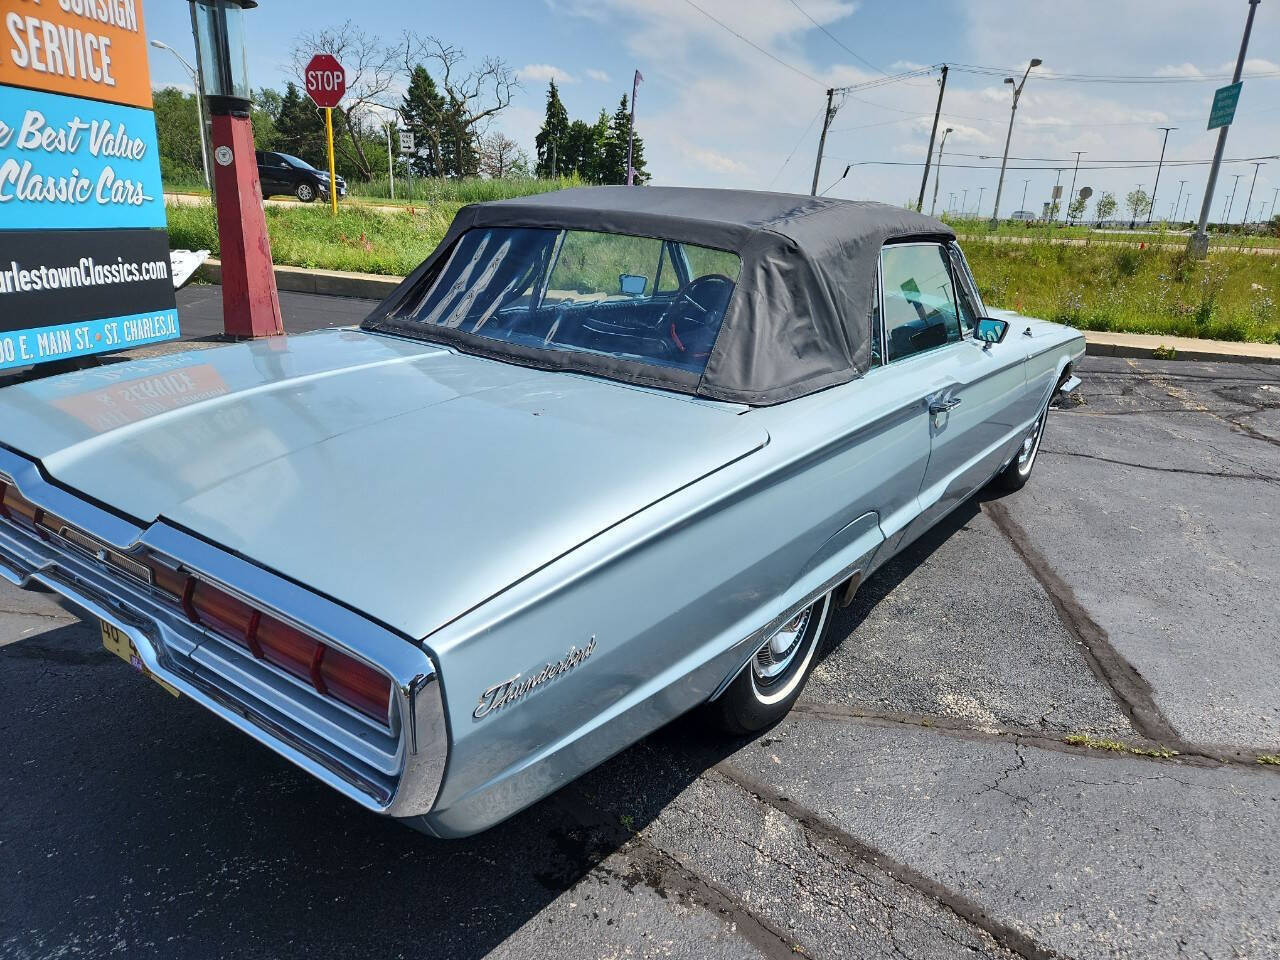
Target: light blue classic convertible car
(608, 455)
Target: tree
(1075, 209)
(474, 94)
(1105, 206)
(370, 67)
(266, 107)
(501, 157)
(614, 155)
(177, 134)
(422, 110)
(1138, 203)
(553, 137)
(299, 129)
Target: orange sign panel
(83, 48)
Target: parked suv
(281, 173)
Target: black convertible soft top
(800, 317)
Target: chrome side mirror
(991, 330)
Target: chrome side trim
(397, 773)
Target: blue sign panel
(25, 347)
(76, 164)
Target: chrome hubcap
(775, 656)
(1031, 444)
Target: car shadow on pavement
(129, 817)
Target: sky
(734, 90)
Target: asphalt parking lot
(922, 801)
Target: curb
(372, 286)
(328, 283)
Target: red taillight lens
(220, 611)
(331, 672)
(288, 648)
(355, 684)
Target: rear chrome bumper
(393, 770)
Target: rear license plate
(118, 642)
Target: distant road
(1132, 241)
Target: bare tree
(370, 67)
(500, 156)
(477, 91)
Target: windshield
(294, 161)
(632, 298)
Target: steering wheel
(700, 303)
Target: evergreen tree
(423, 111)
(593, 170)
(552, 139)
(614, 155)
(299, 127)
(459, 154)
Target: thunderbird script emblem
(509, 691)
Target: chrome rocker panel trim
(398, 778)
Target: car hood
(403, 479)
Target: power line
(797, 146)
(1108, 78)
(756, 46)
(837, 40)
(1050, 167)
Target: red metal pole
(250, 303)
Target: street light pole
(937, 115)
(1232, 202)
(981, 191)
(1072, 193)
(1017, 93)
(1174, 215)
(964, 203)
(1156, 185)
(1251, 186)
(937, 175)
(1025, 184)
(391, 170)
(204, 134)
(1198, 246)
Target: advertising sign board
(84, 256)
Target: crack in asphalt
(1021, 764)
(1146, 466)
(968, 910)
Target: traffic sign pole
(333, 177)
(1198, 246)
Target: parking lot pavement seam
(1222, 474)
(1009, 937)
(665, 875)
(1128, 688)
(1143, 750)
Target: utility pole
(1198, 246)
(822, 140)
(1232, 202)
(1274, 194)
(1017, 92)
(631, 129)
(1251, 186)
(937, 113)
(1174, 215)
(1025, 184)
(1156, 185)
(1072, 193)
(937, 175)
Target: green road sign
(1224, 105)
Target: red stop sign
(326, 80)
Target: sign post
(84, 255)
(326, 83)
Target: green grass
(1229, 296)
(1117, 746)
(971, 229)
(469, 190)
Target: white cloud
(543, 72)
(598, 75)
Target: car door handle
(943, 406)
